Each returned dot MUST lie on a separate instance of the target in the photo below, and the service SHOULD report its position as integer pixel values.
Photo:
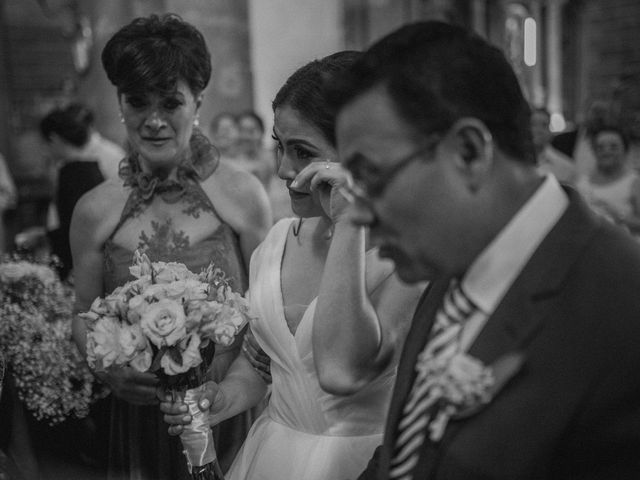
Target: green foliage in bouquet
(36, 309)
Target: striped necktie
(421, 408)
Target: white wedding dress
(305, 433)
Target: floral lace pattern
(163, 241)
(198, 166)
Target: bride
(331, 314)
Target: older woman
(613, 188)
(331, 313)
(176, 201)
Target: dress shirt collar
(495, 269)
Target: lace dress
(139, 445)
(305, 433)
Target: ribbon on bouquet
(196, 437)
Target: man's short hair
(436, 73)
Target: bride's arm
(241, 389)
(357, 332)
(357, 328)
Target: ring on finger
(328, 164)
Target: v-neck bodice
(304, 426)
(297, 399)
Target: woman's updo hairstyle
(151, 54)
(306, 90)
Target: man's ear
(473, 143)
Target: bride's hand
(328, 178)
(176, 412)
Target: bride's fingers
(335, 176)
(209, 396)
(307, 173)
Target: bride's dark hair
(306, 90)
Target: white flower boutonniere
(456, 382)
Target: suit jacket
(572, 407)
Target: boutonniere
(461, 385)
(456, 382)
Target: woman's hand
(176, 412)
(130, 385)
(328, 178)
(259, 360)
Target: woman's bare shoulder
(101, 205)
(237, 192)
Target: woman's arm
(90, 227)
(361, 316)
(85, 238)
(360, 323)
(242, 202)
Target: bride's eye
(302, 153)
(279, 147)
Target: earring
(196, 121)
(121, 117)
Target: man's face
(416, 219)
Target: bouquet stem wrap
(196, 437)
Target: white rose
(196, 290)
(132, 340)
(224, 334)
(137, 306)
(175, 290)
(154, 291)
(104, 341)
(164, 322)
(170, 272)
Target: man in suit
(522, 360)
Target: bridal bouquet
(166, 321)
(51, 377)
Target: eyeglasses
(370, 183)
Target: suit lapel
(521, 314)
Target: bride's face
(299, 143)
(159, 126)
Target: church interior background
(566, 53)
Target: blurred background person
(8, 199)
(578, 143)
(549, 159)
(224, 133)
(613, 188)
(76, 149)
(253, 156)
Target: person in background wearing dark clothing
(67, 132)
(549, 159)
